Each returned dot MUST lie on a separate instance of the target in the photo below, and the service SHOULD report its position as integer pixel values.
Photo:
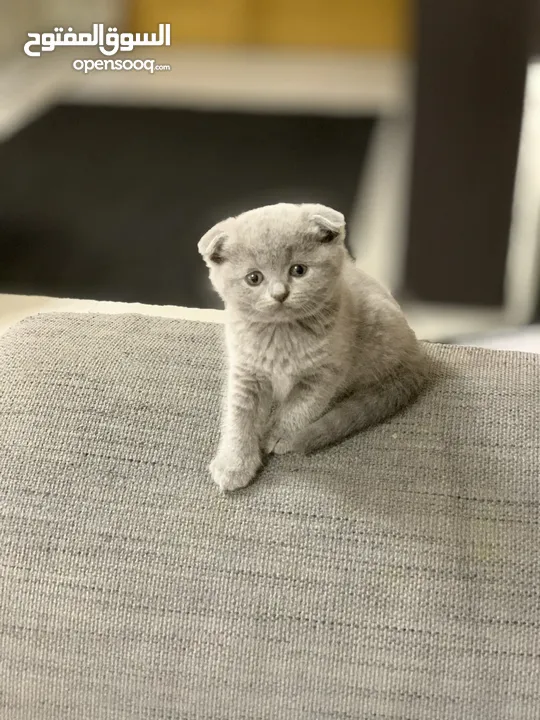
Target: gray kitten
(317, 349)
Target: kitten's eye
(298, 270)
(254, 278)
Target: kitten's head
(278, 262)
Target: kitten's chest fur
(284, 353)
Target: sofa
(395, 576)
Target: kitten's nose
(279, 292)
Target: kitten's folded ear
(329, 223)
(211, 245)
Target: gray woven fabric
(395, 577)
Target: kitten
(317, 349)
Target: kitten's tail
(365, 407)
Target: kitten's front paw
(270, 442)
(230, 474)
(282, 447)
(275, 442)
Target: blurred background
(419, 120)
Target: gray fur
(312, 359)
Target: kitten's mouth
(282, 308)
(281, 311)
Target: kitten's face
(277, 263)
